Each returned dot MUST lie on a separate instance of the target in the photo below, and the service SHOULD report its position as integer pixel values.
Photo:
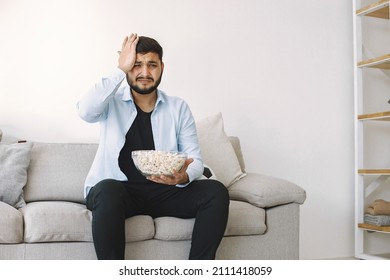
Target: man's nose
(145, 70)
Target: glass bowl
(156, 163)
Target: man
(139, 116)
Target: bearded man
(139, 116)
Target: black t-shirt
(139, 137)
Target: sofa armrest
(266, 191)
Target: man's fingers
(133, 36)
(188, 162)
(131, 39)
(134, 42)
(124, 42)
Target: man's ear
(162, 66)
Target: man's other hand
(178, 178)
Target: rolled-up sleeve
(92, 107)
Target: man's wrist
(186, 179)
(122, 69)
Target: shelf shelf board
(368, 256)
(375, 228)
(380, 116)
(382, 62)
(378, 9)
(374, 171)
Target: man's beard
(148, 90)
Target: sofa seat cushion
(139, 228)
(56, 221)
(60, 221)
(244, 219)
(11, 224)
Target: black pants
(111, 202)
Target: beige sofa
(55, 224)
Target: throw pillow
(217, 151)
(14, 161)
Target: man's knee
(109, 186)
(217, 191)
(108, 190)
(219, 187)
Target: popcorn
(150, 162)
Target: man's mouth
(142, 79)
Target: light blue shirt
(113, 107)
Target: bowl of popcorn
(156, 163)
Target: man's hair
(146, 45)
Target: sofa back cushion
(57, 171)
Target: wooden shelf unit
(378, 9)
(365, 245)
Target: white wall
(279, 71)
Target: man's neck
(145, 102)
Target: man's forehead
(146, 57)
